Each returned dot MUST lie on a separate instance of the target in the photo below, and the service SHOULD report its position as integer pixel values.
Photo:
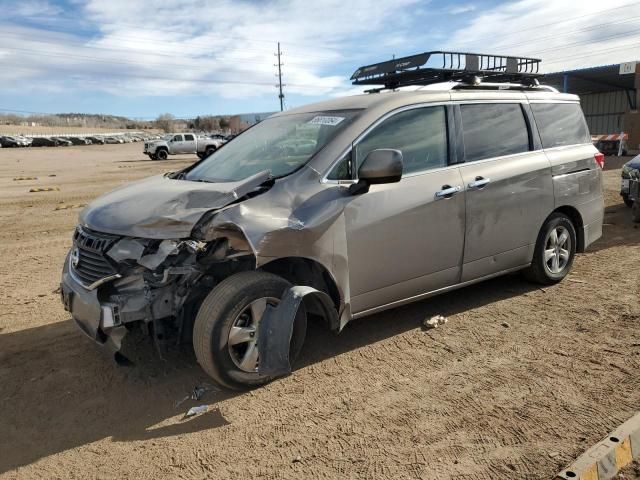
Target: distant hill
(252, 118)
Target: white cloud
(460, 9)
(225, 48)
(222, 47)
(564, 35)
(31, 7)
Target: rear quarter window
(560, 124)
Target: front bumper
(96, 321)
(624, 186)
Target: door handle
(479, 182)
(448, 191)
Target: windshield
(278, 144)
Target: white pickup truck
(179, 143)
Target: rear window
(493, 130)
(560, 124)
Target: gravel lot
(519, 382)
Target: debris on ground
(506, 324)
(434, 322)
(575, 280)
(44, 189)
(17, 179)
(298, 459)
(197, 393)
(630, 472)
(67, 207)
(193, 411)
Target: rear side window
(420, 134)
(493, 130)
(188, 138)
(560, 124)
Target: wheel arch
(576, 218)
(307, 272)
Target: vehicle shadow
(59, 392)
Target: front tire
(635, 212)
(162, 155)
(209, 151)
(554, 252)
(226, 328)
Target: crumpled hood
(162, 208)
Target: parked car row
(67, 141)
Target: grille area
(91, 263)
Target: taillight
(599, 157)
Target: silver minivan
(336, 211)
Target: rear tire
(162, 154)
(229, 305)
(627, 201)
(554, 252)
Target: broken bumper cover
(87, 312)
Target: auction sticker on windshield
(322, 120)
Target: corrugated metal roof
(604, 78)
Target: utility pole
(279, 75)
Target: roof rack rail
(470, 68)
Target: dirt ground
(518, 383)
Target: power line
(568, 32)
(210, 81)
(570, 19)
(179, 45)
(165, 28)
(594, 52)
(584, 43)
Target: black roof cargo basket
(448, 66)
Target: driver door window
(420, 134)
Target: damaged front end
(111, 283)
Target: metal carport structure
(609, 96)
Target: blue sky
(194, 57)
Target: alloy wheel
(243, 334)
(557, 250)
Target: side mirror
(380, 166)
